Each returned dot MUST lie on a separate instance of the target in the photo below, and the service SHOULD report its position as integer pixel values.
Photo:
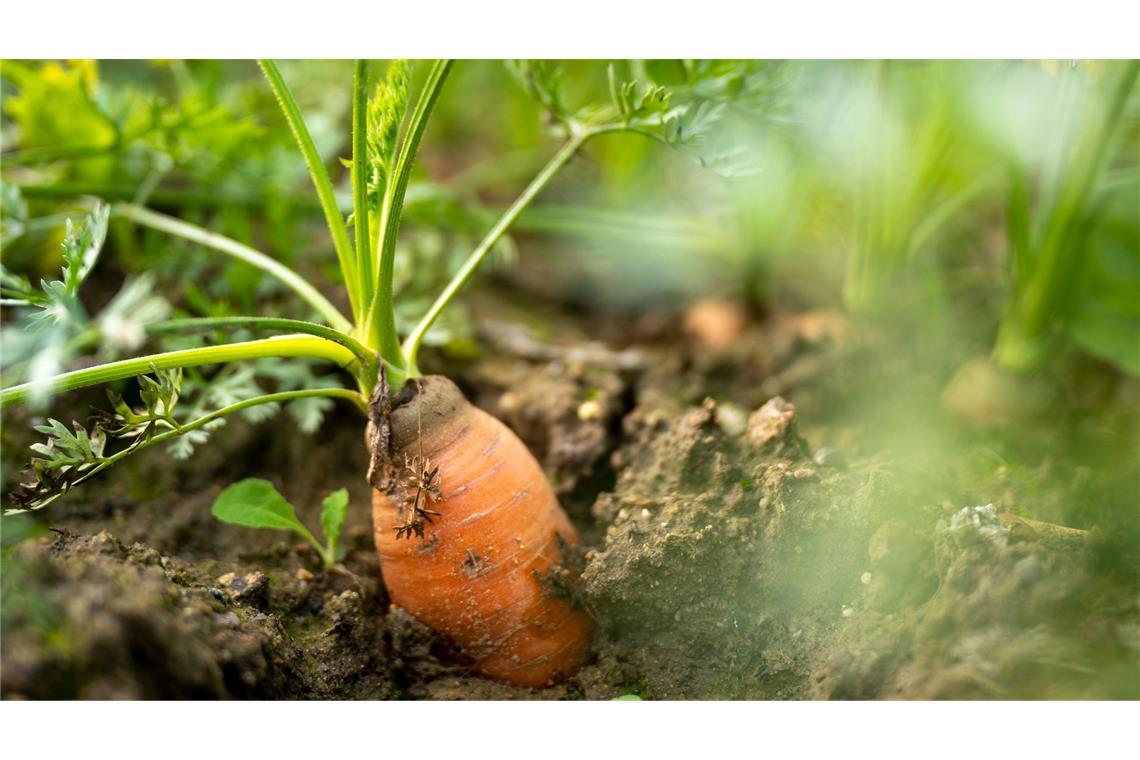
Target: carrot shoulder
(466, 548)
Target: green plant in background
(255, 503)
(164, 133)
(1075, 248)
(55, 327)
(387, 127)
(660, 232)
(1073, 243)
(908, 171)
(142, 133)
(909, 176)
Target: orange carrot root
(467, 530)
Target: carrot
(468, 531)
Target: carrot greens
(388, 125)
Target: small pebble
(1029, 571)
(715, 322)
(229, 620)
(589, 410)
(732, 419)
(865, 579)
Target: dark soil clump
(724, 556)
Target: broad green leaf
(255, 503)
(333, 510)
(1105, 317)
(1108, 334)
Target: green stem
(271, 398)
(322, 184)
(30, 156)
(541, 180)
(231, 247)
(925, 229)
(326, 558)
(1023, 335)
(366, 357)
(381, 313)
(284, 345)
(360, 179)
(165, 197)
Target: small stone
(304, 575)
(589, 410)
(229, 620)
(732, 419)
(715, 322)
(251, 589)
(982, 521)
(865, 579)
(1028, 571)
(770, 422)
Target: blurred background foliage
(982, 212)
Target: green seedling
(1080, 230)
(255, 503)
(388, 124)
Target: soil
(747, 534)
